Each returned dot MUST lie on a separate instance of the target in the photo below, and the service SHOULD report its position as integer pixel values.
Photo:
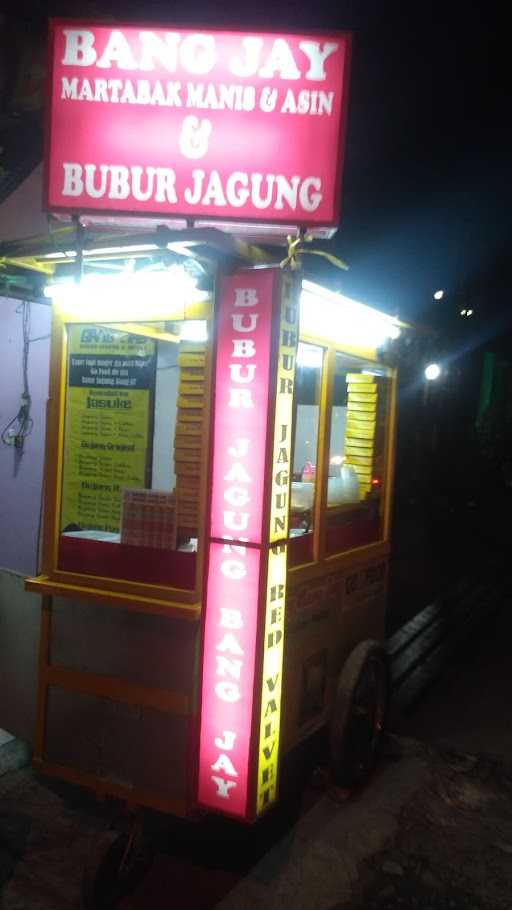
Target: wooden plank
(42, 687)
(182, 441)
(107, 597)
(360, 378)
(190, 402)
(118, 690)
(187, 455)
(187, 469)
(105, 787)
(191, 360)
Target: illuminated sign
(273, 639)
(271, 690)
(244, 328)
(288, 339)
(211, 124)
(246, 578)
(228, 677)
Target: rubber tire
(354, 743)
(102, 884)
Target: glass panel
(132, 452)
(308, 381)
(355, 496)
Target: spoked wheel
(359, 715)
(116, 866)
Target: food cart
(219, 458)
(215, 539)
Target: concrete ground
(431, 831)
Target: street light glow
(438, 295)
(433, 371)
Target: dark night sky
(426, 177)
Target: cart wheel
(359, 715)
(116, 865)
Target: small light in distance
(433, 371)
(463, 312)
(469, 312)
(438, 295)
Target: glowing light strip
(324, 313)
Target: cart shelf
(43, 584)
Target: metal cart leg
(117, 864)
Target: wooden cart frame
(186, 606)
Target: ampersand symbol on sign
(268, 99)
(194, 137)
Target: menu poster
(108, 429)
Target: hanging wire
(16, 431)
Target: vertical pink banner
(241, 404)
(241, 427)
(228, 677)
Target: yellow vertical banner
(110, 386)
(273, 642)
(270, 721)
(286, 357)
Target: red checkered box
(148, 519)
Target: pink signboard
(209, 124)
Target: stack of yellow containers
(360, 429)
(189, 436)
